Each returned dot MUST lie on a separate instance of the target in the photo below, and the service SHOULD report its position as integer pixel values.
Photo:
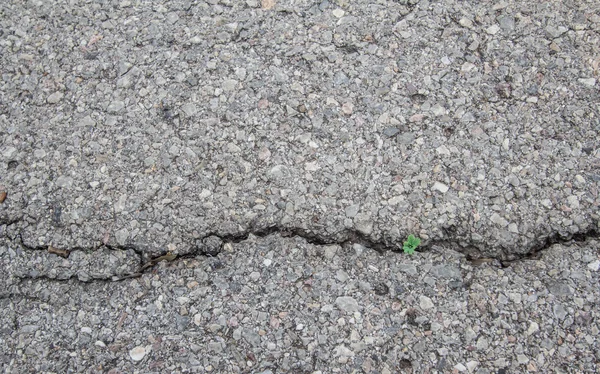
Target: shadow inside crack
(115, 263)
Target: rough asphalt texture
(225, 186)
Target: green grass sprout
(410, 244)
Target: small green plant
(410, 244)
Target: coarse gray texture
(145, 125)
(283, 305)
(198, 186)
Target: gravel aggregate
(144, 125)
(277, 305)
(226, 186)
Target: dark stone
(405, 364)
(381, 289)
(209, 246)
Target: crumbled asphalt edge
(419, 289)
(147, 263)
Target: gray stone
(507, 23)
(559, 311)
(555, 31)
(115, 106)
(439, 186)
(559, 289)
(482, 343)
(533, 328)
(408, 269)
(446, 271)
(498, 220)
(55, 98)
(122, 236)
(251, 337)
(64, 181)
(210, 245)
(347, 304)
(352, 210)
(425, 303)
(278, 172)
(9, 152)
(590, 82)
(406, 138)
(390, 131)
(229, 85)
(189, 109)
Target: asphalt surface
(141, 140)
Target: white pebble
(425, 303)
(137, 353)
(338, 13)
(440, 187)
(533, 328)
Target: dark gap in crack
(344, 239)
(536, 251)
(472, 253)
(9, 222)
(75, 276)
(44, 248)
(349, 237)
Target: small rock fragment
(390, 131)
(55, 98)
(573, 202)
(465, 22)
(189, 109)
(559, 311)
(64, 181)
(330, 251)
(364, 226)
(591, 82)
(507, 23)
(312, 166)
(347, 304)
(471, 365)
(115, 106)
(9, 152)
(533, 328)
(339, 13)
(498, 220)
(347, 108)
(419, 117)
(438, 186)
(137, 353)
(2, 196)
(267, 4)
(425, 303)
(229, 85)
(493, 30)
(122, 236)
(210, 245)
(263, 103)
(555, 32)
(278, 172)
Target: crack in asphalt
(345, 239)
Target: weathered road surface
(225, 186)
